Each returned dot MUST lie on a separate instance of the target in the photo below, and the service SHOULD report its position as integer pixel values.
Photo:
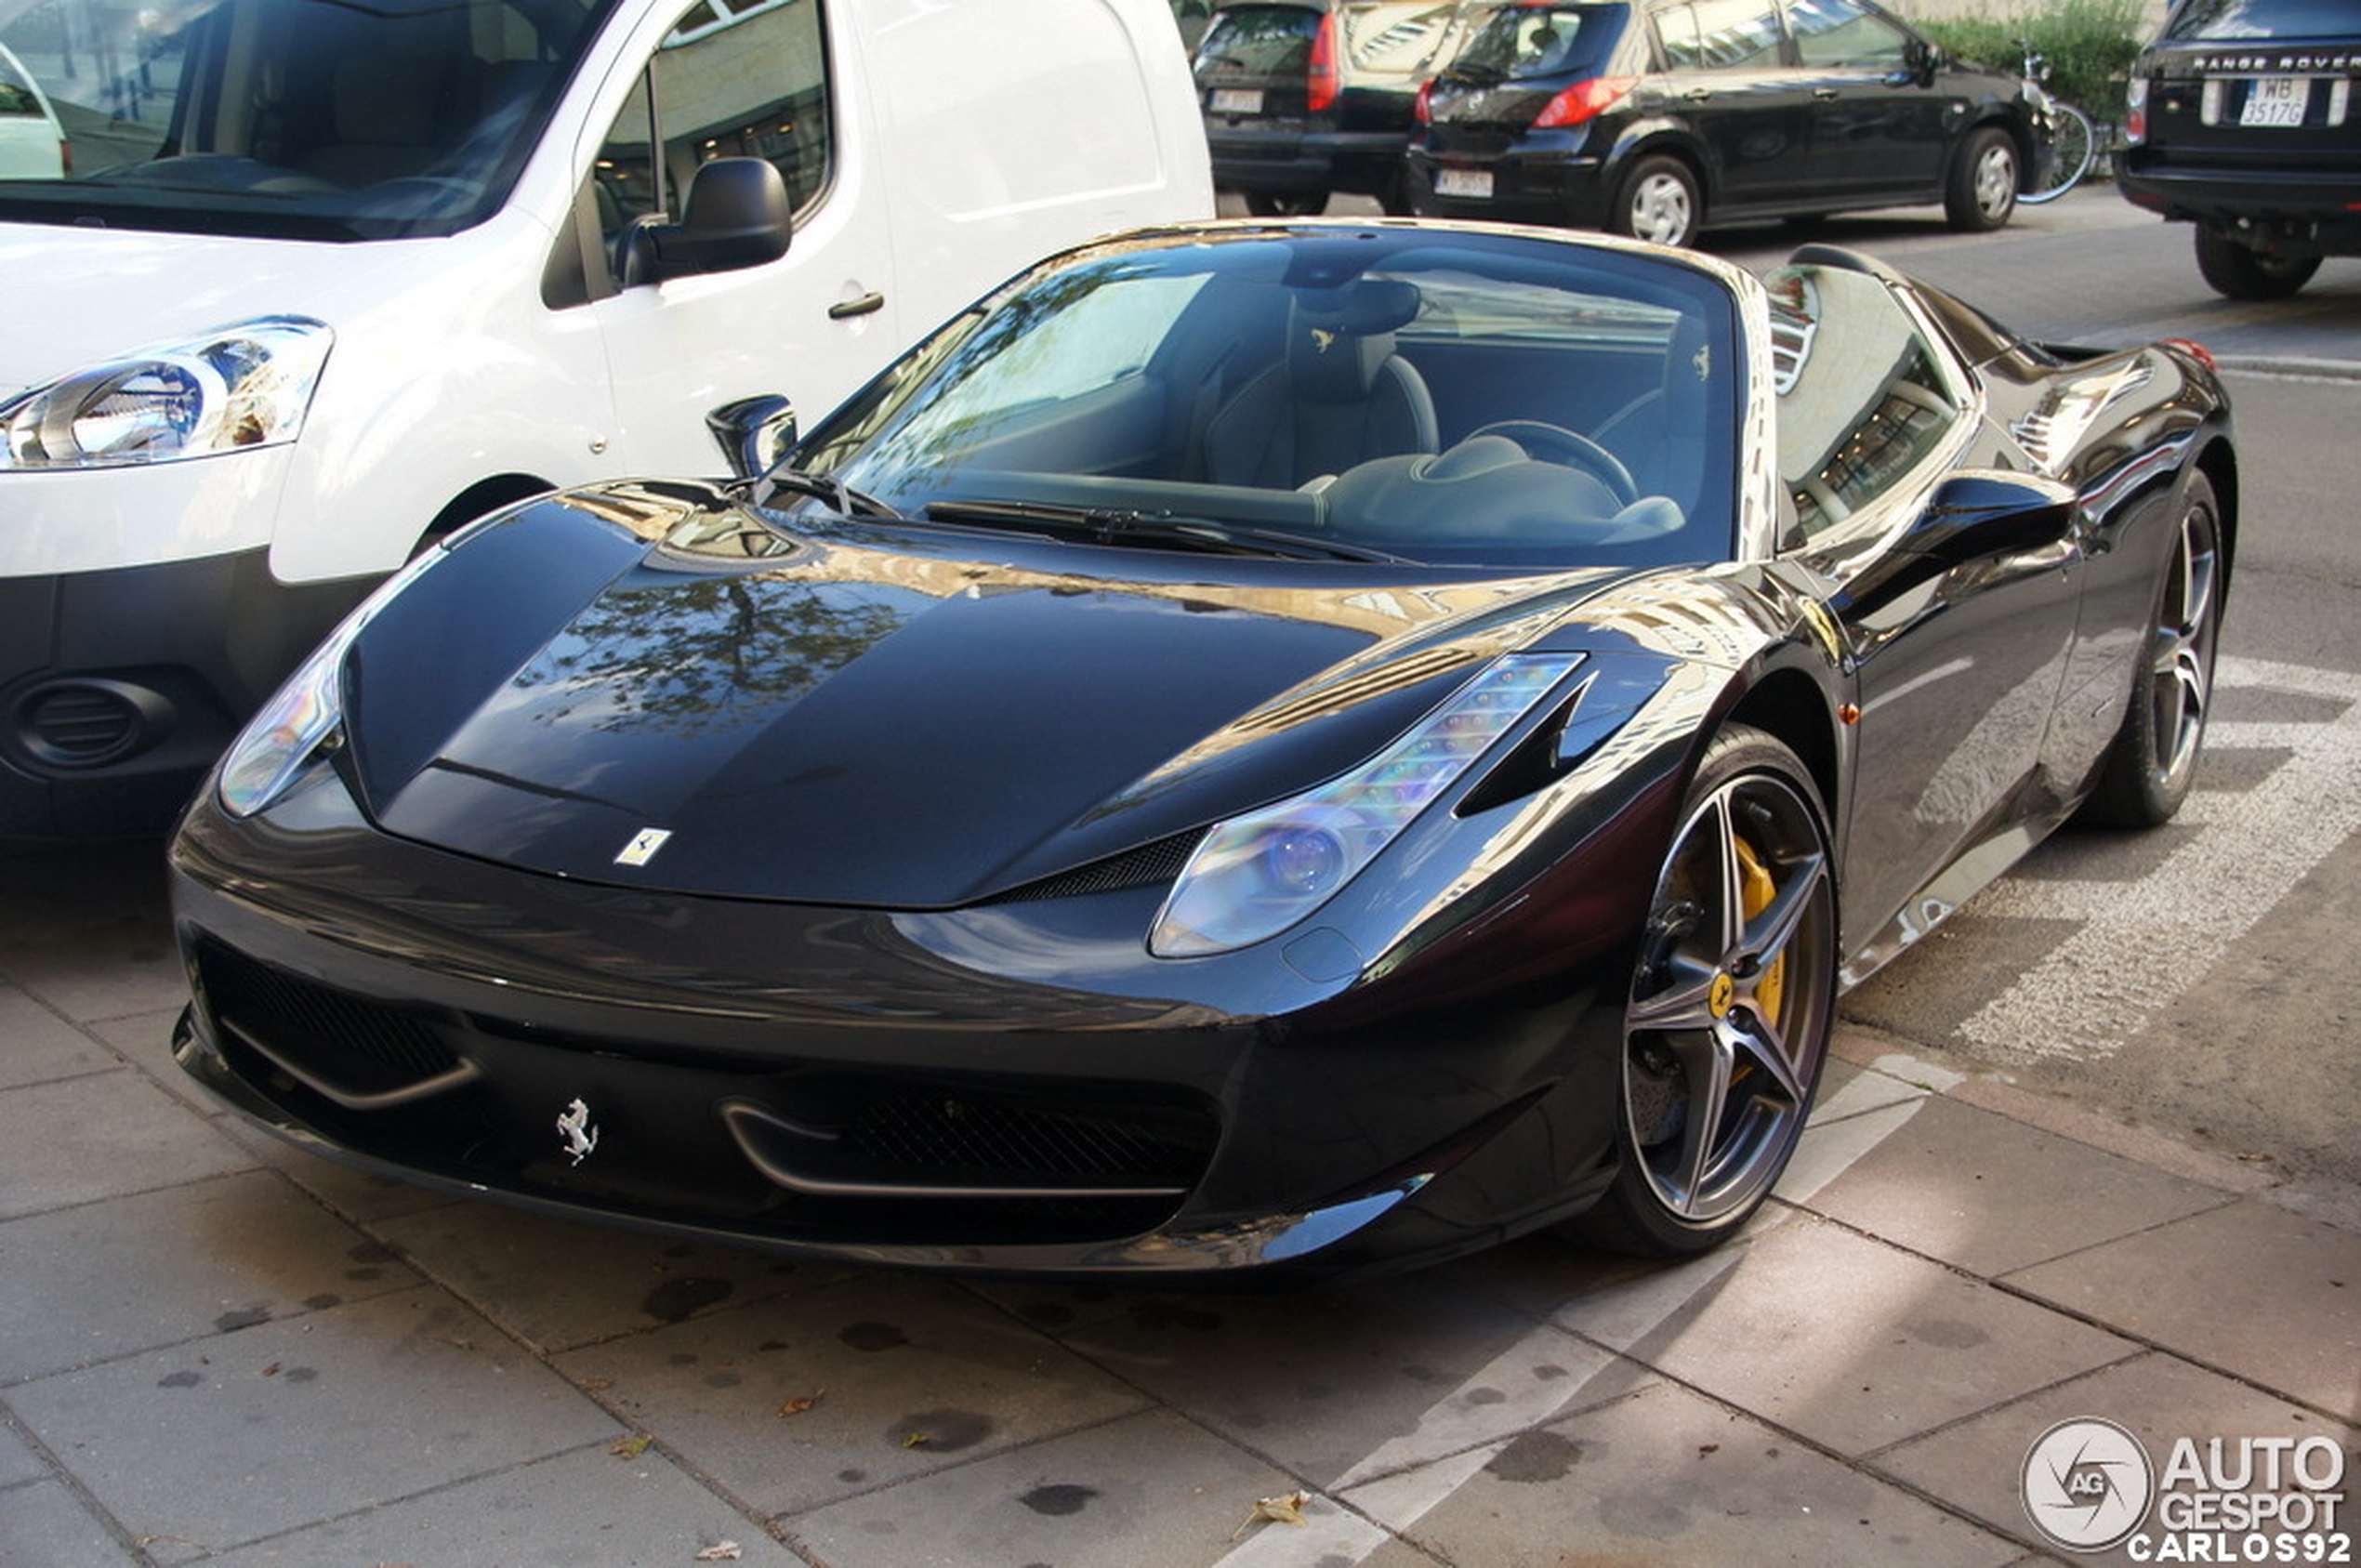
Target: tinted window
(1543, 40)
(743, 80)
(2228, 19)
(1861, 402)
(305, 118)
(1722, 36)
(1838, 33)
(1259, 41)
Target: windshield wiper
(1118, 525)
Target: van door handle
(845, 309)
(1823, 94)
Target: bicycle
(2066, 140)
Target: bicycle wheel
(2064, 156)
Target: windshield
(315, 119)
(1459, 398)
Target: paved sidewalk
(220, 1352)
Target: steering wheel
(1555, 443)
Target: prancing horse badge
(575, 1126)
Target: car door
(775, 82)
(1960, 653)
(1728, 77)
(1877, 126)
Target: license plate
(1473, 184)
(2276, 100)
(1238, 100)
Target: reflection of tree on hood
(704, 654)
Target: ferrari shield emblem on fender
(580, 1133)
(643, 845)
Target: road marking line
(2104, 983)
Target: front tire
(1733, 995)
(2147, 771)
(1657, 200)
(2237, 272)
(1981, 192)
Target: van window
(307, 119)
(731, 80)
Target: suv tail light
(2135, 118)
(1320, 83)
(1584, 101)
(1422, 107)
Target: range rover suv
(2246, 121)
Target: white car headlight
(244, 385)
(1256, 875)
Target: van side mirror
(736, 217)
(755, 433)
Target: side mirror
(1920, 61)
(736, 217)
(1991, 513)
(755, 433)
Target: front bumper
(118, 688)
(948, 1091)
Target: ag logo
(2087, 1484)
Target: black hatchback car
(1657, 117)
(1303, 98)
(2244, 121)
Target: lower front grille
(357, 1053)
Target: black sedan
(1277, 747)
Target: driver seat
(1339, 395)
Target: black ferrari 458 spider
(1277, 747)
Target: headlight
(1254, 876)
(304, 718)
(243, 387)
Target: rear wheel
(1286, 203)
(2147, 775)
(1731, 1002)
(1983, 188)
(1657, 201)
(2239, 271)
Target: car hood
(881, 716)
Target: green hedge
(2091, 45)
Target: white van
(314, 282)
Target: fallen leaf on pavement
(1288, 1509)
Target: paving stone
(240, 1436)
(589, 1508)
(1669, 1478)
(1989, 1195)
(36, 1045)
(1978, 1466)
(211, 1255)
(44, 1525)
(797, 1401)
(559, 1283)
(19, 1466)
(2249, 1288)
(1150, 1488)
(1381, 1363)
(100, 1136)
(1854, 1344)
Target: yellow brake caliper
(1755, 892)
